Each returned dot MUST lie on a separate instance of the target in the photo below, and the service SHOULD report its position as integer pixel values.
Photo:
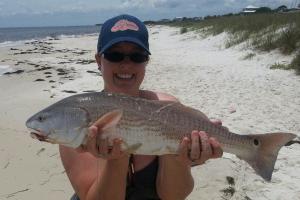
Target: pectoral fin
(109, 120)
(131, 149)
(107, 124)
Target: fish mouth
(36, 134)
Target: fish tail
(267, 147)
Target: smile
(125, 76)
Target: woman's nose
(126, 62)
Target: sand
(244, 93)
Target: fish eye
(41, 118)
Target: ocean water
(4, 69)
(15, 36)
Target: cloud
(166, 6)
(65, 10)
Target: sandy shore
(245, 94)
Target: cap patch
(123, 25)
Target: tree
(282, 8)
(264, 10)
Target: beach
(245, 94)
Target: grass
(279, 66)
(295, 64)
(249, 56)
(183, 30)
(264, 32)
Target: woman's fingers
(116, 148)
(183, 151)
(203, 148)
(183, 147)
(216, 148)
(195, 146)
(101, 147)
(206, 151)
(93, 131)
(216, 122)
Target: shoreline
(245, 94)
(12, 36)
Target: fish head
(60, 125)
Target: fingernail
(91, 135)
(194, 133)
(117, 141)
(186, 140)
(202, 133)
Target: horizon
(57, 13)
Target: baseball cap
(123, 28)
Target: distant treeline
(260, 10)
(259, 31)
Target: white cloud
(30, 6)
(145, 9)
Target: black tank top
(141, 185)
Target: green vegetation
(295, 64)
(183, 30)
(279, 66)
(249, 56)
(262, 31)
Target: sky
(29, 13)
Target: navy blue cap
(123, 28)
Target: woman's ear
(98, 60)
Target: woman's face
(124, 76)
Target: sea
(10, 37)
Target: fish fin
(107, 124)
(131, 149)
(292, 142)
(196, 113)
(109, 120)
(268, 146)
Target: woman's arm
(95, 178)
(111, 183)
(174, 180)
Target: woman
(122, 56)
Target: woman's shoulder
(153, 95)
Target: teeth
(125, 76)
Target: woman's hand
(100, 147)
(199, 148)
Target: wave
(4, 69)
(10, 35)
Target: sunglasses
(118, 57)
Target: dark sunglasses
(118, 57)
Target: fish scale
(148, 127)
